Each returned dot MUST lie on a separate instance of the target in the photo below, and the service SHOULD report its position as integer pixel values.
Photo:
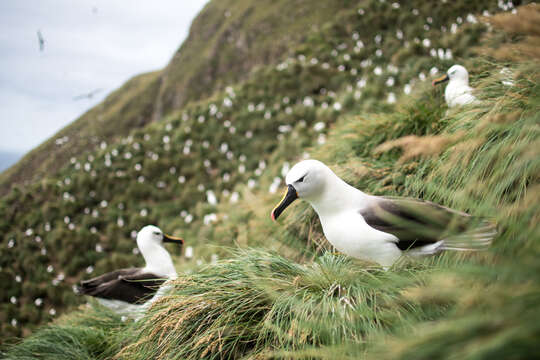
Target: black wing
(129, 285)
(415, 222)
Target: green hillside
(226, 42)
(354, 93)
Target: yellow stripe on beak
(285, 201)
(173, 239)
(440, 80)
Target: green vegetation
(86, 334)
(293, 297)
(124, 109)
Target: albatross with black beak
(127, 290)
(376, 228)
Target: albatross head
(150, 241)
(306, 180)
(152, 235)
(455, 73)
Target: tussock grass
(415, 146)
(260, 303)
(523, 26)
(88, 333)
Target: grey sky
(89, 44)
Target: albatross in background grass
(376, 228)
(130, 291)
(457, 92)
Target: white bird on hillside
(376, 228)
(129, 291)
(457, 92)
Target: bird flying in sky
(41, 41)
(89, 95)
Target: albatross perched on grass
(380, 229)
(457, 92)
(128, 290)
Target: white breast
(348, 232)
(458, 95)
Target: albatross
(376, 228)
(457, 92)
(128, 291)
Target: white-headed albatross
(127, 290)
(457, 92)
(376, 228)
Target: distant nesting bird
(377, 228)
(41, 41)
(457, 92)
(89, 95)
(127, 290)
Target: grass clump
(259, 302)
(89, 333)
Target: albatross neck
(337, 196)
(458, 82)
(158, 260)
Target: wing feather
(414, 222)
(129, 285)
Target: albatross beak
(173, 239)
(440, 80)
(287, 199)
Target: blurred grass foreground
(253, 289)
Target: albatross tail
(478, 238)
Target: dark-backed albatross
(376, 228)
(128, 291)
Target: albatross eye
(301, 179)
(157, 233)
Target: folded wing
(417, 223)
(129, 285)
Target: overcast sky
(89, 44)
